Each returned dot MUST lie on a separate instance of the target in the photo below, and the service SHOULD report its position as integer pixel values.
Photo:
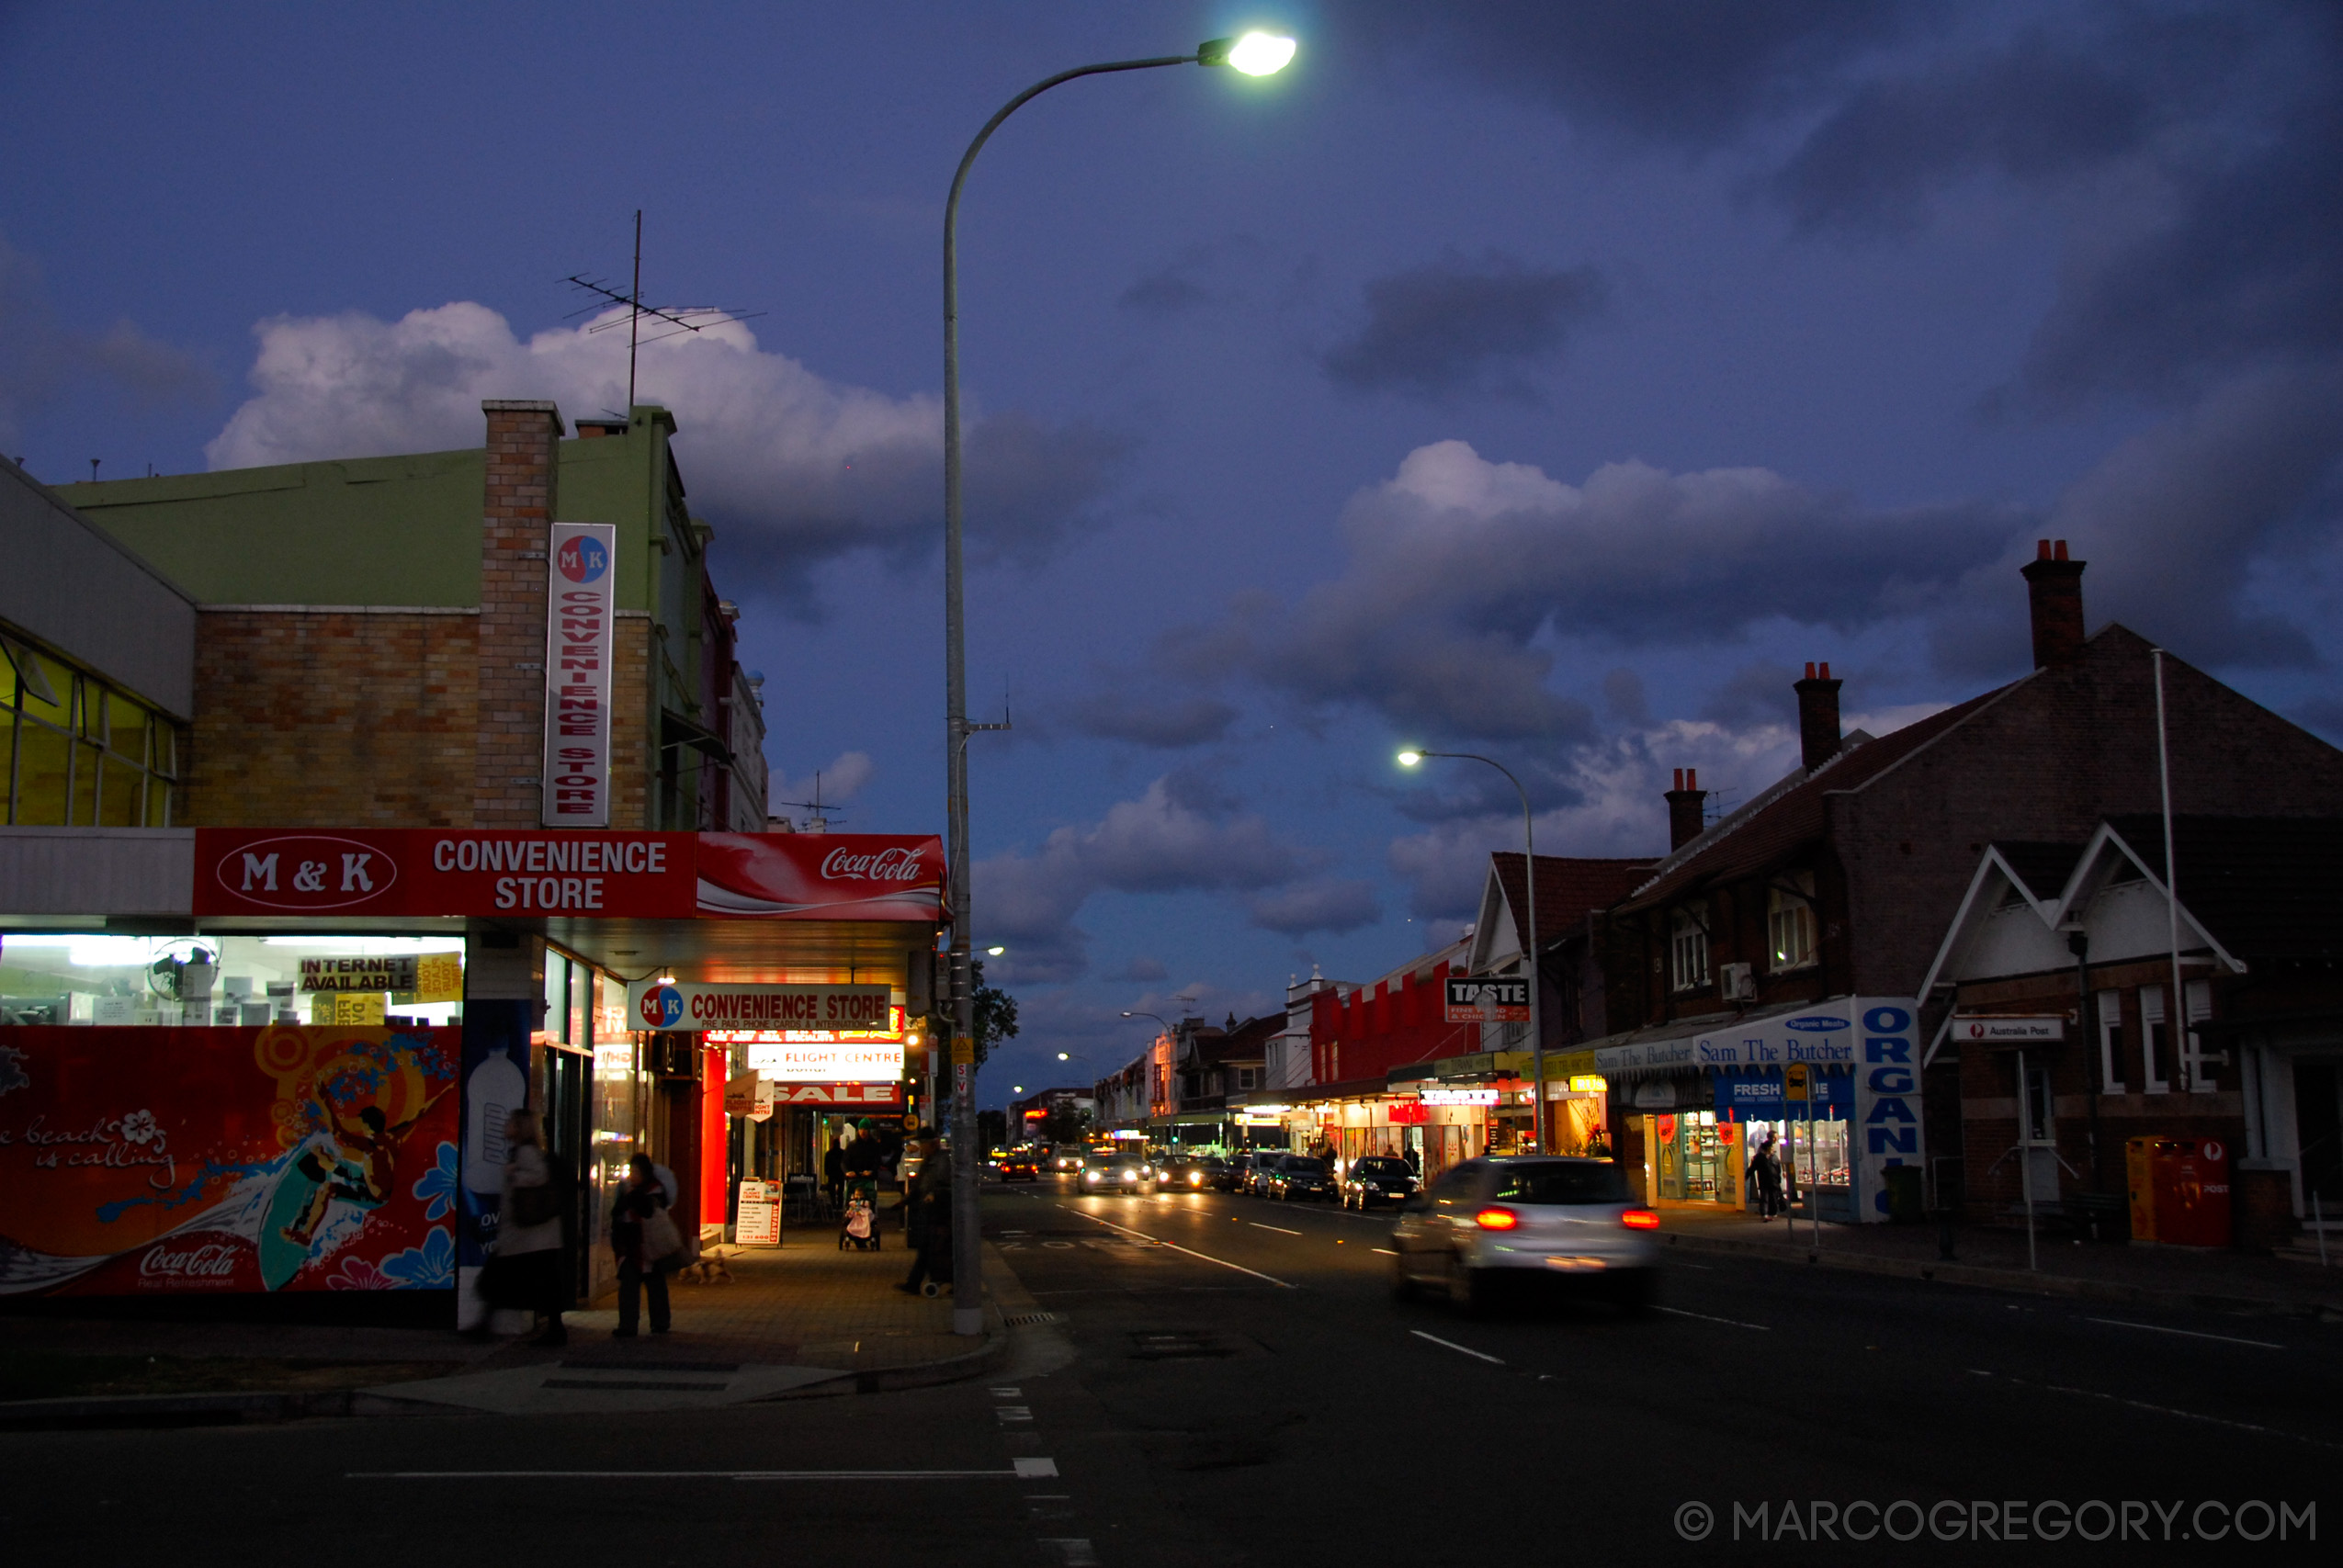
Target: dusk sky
(1550, 379)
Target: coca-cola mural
(285, 1158)
(425, 872)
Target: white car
(1493, 1224)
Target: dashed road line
(2188, 1333)
(1280, 1230)
(1110, 1224)
(1026, 1470)
(1733, 1322)
(1460, 1349)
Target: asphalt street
(1229, 1381)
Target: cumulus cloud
(1179, 836)
(1455, 567)
(1459, 325)
(42, 359)
(801, 467)
(1687, 73)
(1195, 280)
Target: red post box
(2180, 1190)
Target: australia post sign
(525, 872)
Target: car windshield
(1305, 1168)
(1592, 1181)
(1384, 1167)
(1209, 1162)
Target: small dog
(708, 1270)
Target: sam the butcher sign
(434, 872)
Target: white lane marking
(1026, 1470)
(1006, 1392)
(1013, 1412)
(1385, 1250)
(1733, 1322)
(1110, 1224)
(1280, 1230)
(1460, 1349)
(1076, 1552)
(2190, 1333)
(2186, 1414)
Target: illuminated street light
(994, 952)
(1409, 759)
(1253, 55)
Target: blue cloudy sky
(1550, 380)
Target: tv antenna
(678, 318)
(822, 818)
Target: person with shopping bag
(648, 1245)
(528, 1269)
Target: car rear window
(1381, 1168)
(1307, 1166)
(1592, 1182)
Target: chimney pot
(1818, 718)
(2042, 549)
(1684, 802)
(2054, 600)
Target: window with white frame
(2154, 1039)
(1247, 1078)
(1789, 923)
(2111, 1042)
(1688, 948)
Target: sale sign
(171, 1160)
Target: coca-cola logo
(896, 865)
(211, 1260)
(307, 870)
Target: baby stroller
(859, 1228)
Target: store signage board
(424, 871)
(2011, 1031)
(580, 620)
(1458, 1096)
(695, 1007)
(839, 1094)
(1487, 998)
(750, 1095)
(373, 972)
(795, 1061)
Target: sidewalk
(1996, 1256)
(805, 1317)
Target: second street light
(1255, 54)
(1409, 759)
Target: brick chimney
(1684, 804)
(1818, 716)
(2055, 595)
(517, 525)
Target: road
(1229, 1381)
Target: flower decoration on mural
(437, 1187)
(12, 1069)
(431, 1266)
(359, 1274)
(141, 1127)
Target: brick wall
(631, 739)
(517, 514)
(311, 718)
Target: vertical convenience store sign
(581, 614)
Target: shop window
(222, 981)
(2111, 1042)
(75, 751)
(1688, 948)
(1790, 924)
(2154, 1041)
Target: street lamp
(1409, 759)
(1254, 54)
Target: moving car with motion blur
(1191, 1173)
(1115, 1172)
(1300, 1176)
(1490, 1225)
(1065, 1161)
(1257, 1174)
(1378, 1179)
(1019, 1165)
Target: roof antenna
(682, 318)
(820, 820)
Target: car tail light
(1497, 1219)
(1640, 1220)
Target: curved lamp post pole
(1255, 54)
(1529, 896)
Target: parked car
(1300, 1175)
(1493, 1224)
(1266, 1161)
(1020, 1165)
(1115, 1172)
(1377, 1179)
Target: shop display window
(1815, 1154)
(75, 751)
(229, 981)
(1696, 1154)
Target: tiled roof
(1569, 888)
(1771, 828)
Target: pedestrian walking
(834, 1172)
(931, 1223)
(1765, 1175)
(644, 1238)
(529, 1267)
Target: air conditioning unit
(1740, 985)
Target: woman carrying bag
(526, 1269)
(648, 1244)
